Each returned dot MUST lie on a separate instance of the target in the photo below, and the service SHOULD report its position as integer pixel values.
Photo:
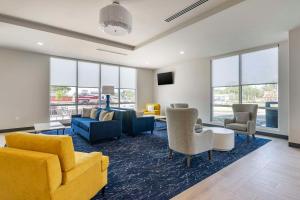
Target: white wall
(191, 85)
(24, 88)
(144, 87)
(294, 126)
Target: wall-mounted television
(165, 78)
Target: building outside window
(75, 85)
(246, 78)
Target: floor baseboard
(294, 145)
(16, 129)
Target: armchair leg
(151, 132)
(209, 154)
(188, 161)
(253, 136)
(170, 153)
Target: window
(247, 78)
(75, 85)
(127, 87)
(225, 72)
(62, 88)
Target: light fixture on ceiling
(40, 43)
(181, 52)
(115, 19)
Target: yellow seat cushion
(61, 145)
(83, 162)
(156, 110)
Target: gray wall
(192, 86)
(24, 93)
(294, 126)
(24, 88)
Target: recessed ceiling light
(181, 52)
(40, 43)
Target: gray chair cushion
(237, 126)
(242, 117)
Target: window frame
(101, 102)
(240, 86)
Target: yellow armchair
(154, 111)
(43, 167)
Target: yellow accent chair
(45, 167)
(152, 109)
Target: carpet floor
(140, 168)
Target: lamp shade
(108, 89)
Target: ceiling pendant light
(115, 19)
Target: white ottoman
(223, 138)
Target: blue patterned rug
(140, 168)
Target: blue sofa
(133, 125)
(94, 130)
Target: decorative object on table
(244, 120)
(152, 109)
(182, 136)
(50, 168)
(115, 19)
(108, 90)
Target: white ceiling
(245, 25)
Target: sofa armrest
(76, 116)
(251, 127)
(145, 119)
(228, 121)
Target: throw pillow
(108, 116)
(102, 114)
(93, 114)
(150, 108)
(242, 117)
(86, 112)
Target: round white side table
(223, 138)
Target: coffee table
(49, 126)
(223, 138)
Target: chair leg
(253, 136)
(188, 161)
(151, 132)
(170, 153)
(209, 154)
(103, 190)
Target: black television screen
(165, 78)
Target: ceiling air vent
(108, 51)
(186, 10)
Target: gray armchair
(244, 120)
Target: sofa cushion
(83, 162)
(85, 124)
(237, 126)
(78, 120)
(62, 146)
(242, 117)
